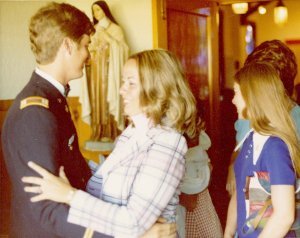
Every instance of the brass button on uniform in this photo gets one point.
(59, 100)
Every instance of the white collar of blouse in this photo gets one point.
(141, 122)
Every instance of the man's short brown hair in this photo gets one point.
(277, 54)
(51, 24)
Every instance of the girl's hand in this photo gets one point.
(189, 201)
(161, 230)
(49, 186)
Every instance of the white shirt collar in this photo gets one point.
(51, 80)
(239, 145)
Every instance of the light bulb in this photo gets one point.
(280, 14)
(240, 8)
(262, 10)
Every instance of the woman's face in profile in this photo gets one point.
(98, 12)
(238, 100)
(131, 87)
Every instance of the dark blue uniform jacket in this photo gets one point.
(48, 137)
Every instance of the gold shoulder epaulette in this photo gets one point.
(34, 101)
(88, 233)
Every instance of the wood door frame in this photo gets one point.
(160, 39)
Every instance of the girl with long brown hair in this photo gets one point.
(271, 149)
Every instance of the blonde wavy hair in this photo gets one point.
(51, 24)
(268, 106)
(165, 94)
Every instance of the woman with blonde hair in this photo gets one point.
(139, 181)
(269, 153)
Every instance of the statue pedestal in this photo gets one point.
(98, 146)
(97, 151)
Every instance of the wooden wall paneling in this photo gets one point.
(5, 186)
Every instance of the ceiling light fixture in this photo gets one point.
(280, 13)
(262, 10)
(240, 8)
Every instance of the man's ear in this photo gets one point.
(68, 44)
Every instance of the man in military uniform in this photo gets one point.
(38, 126)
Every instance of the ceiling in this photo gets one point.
(193, 4)
(224, 2)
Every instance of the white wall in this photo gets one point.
(16, 59)
(134, 16)
(266, 29)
